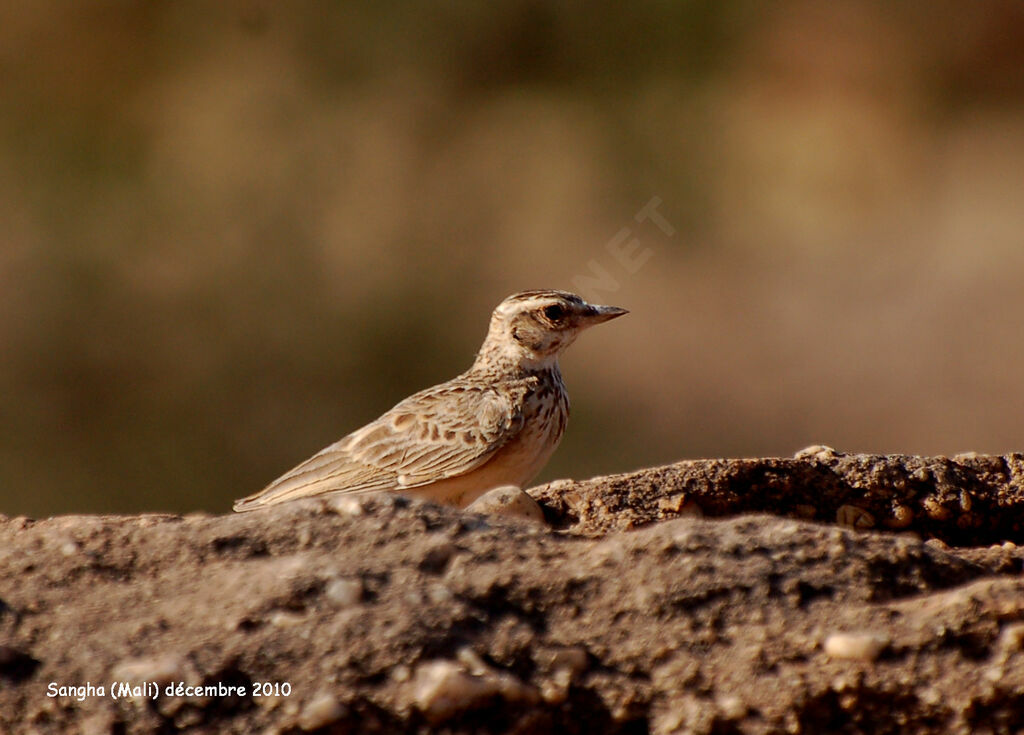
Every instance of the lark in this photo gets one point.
(496, 424)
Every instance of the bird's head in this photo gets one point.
(531, 328)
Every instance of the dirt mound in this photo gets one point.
(382, 614)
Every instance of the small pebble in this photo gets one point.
(859, 646)
(1012, 637)
(322, 710)
(936, 510)
(439, 594)
(902, 516)
(509, 501)
(344, 592)
(930, 696)
(572, 659)
(961, 456)
(556, 690)
(442, 689)
(731, 707)
(816, 451)
(472, 661)
(283, 619)
(346, 505)
(680, 505)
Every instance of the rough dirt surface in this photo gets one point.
(628, 613)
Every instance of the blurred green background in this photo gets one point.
(235, 231)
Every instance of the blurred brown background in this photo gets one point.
(234, 231)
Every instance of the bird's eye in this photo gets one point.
(554, 312)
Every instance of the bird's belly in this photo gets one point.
(516, 463)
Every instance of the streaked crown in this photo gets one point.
(531, 328)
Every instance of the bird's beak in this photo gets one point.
(599, 314)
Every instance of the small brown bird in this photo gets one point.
(496, 424)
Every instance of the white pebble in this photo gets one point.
(1012, 637)
(345, 505)
(283, 619)
(816, 451)
(509, 501)
(443, 689)
(322, 710)
(860, 646)
(344, 592)
(731, 707)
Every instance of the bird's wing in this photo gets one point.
(441, 432)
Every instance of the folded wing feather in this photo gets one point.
(419, 441)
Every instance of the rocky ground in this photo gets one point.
(822, 593)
